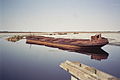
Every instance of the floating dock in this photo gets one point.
(80, 71)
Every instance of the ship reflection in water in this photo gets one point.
(95, 53)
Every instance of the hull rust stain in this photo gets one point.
(95, 42)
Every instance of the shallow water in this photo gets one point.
(21, 61)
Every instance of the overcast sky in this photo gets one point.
(60, 15)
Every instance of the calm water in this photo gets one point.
(21, 61)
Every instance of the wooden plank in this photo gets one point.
(85, 72)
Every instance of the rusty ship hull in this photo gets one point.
(95, 42)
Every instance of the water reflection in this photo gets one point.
(95, 53)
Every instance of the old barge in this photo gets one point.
(95, 42)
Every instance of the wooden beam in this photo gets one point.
(84, 72)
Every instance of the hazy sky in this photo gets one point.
(59, 15)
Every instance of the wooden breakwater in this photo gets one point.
(80, 71)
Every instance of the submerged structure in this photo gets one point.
(15, 38)
(95, 42)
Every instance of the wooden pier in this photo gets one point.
(80, 71)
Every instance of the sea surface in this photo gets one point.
(21, 61)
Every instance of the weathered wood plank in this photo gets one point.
(84, 72)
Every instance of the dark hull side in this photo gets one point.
(93, 46)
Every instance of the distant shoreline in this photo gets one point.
(114, 40)
(63, 32)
